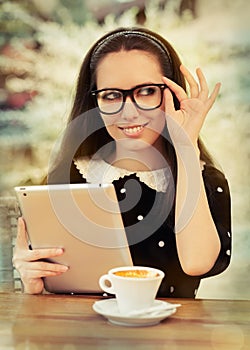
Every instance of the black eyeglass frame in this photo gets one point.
(130, 93)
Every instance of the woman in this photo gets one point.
(133, 124)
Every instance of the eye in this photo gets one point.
(110, 95)
(146, 91)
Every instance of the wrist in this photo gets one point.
(187, 149)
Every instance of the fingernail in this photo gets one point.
(64, 268)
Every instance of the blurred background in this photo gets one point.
(42, 44)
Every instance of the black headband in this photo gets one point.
(136, 33)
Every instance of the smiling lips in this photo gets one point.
(133, 131)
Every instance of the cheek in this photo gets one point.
(158, 121)
(151, 136)
(113, 131)
(108, 124)
(156, 127)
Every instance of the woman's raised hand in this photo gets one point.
(193, 109)
(30, 263)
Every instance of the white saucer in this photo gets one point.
(108, 308)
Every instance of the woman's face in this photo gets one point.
(125, 70)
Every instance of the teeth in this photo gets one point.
(133, 130)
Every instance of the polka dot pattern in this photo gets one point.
(161, 244)
(159, 249)
(219, 189)
(171, 289)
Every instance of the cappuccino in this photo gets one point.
(137, 273)
(135, 287)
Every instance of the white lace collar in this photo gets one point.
(99, 171)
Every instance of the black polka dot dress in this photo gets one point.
(148, 217)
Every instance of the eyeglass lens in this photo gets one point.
(145, 97)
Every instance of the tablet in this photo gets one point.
(84, 220)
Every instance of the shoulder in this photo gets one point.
(214, 180)
(213, 172)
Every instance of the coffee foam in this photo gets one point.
(136, 273)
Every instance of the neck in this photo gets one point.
(146, 159)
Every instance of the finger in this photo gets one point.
(34, 274)
(203, 84)
(170, 112)
(213, 96)
(179, 92)
(193, 85)
(41, 274)
(38, 254)
(22, 238)
(46, 267)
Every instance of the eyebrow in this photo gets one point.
(138, 85)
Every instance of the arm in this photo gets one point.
(197, 239)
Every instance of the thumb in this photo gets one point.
(168, 102)
(22, 237)
(173, 117)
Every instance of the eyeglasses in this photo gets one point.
(145, 97)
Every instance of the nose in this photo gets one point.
(129, 111)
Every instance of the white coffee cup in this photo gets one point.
(135, 287)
